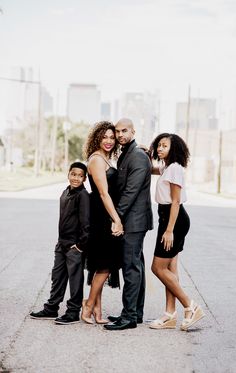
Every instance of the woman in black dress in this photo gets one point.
(103, 252)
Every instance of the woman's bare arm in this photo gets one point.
(168, 236)
(97, 169)
(155, 170)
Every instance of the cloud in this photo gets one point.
(61, 11)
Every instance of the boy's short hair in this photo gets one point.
(79, 165)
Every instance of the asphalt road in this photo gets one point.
(28, 233)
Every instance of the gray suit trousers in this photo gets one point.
(133, 269)
(68, 265)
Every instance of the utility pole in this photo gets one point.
(194, 140)
(220, 163)
(37, 158)
(188, 115)
(220, 145)
(54, 134)
(66, 129)
(159, 115)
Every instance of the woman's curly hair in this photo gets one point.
(179, 151)
(95, 137)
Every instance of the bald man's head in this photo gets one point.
(124, 131)
(126, 122)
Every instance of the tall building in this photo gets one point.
(20, 97)
(144, 110)
(196, 122)
(106, 111)
(200, 113)
(116, 110)
(24, 102)
(83, 103)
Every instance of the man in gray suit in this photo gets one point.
(134, 208)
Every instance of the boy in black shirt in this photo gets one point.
(69, 258)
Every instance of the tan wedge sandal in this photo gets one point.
(170, 323)
(196, 315)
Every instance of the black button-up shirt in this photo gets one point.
(74, 217)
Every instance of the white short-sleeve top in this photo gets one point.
(174, 174)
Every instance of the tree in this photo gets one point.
(77, 137)
(24, 138)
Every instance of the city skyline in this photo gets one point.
(125, 46)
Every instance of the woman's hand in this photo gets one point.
(117, 228)
(147, 150)
(168, 239)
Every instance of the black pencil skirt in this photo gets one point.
(181, 228)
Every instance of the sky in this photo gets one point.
(125, 45)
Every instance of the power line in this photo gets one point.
(20, 80)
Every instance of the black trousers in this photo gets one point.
(133, 269)
(68, 265)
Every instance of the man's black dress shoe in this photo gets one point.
(67, 319)
(121, 324)
(116, 318)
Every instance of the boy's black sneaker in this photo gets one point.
(43, 315)
(67, 319)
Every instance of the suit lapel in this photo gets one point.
(125, 159)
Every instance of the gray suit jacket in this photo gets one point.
(133, 183)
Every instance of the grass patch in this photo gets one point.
(24, 178)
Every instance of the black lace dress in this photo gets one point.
(104, 249)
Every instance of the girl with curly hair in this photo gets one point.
(174, 223)
(103, 259)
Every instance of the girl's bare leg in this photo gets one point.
(162, 268)
(170, 298)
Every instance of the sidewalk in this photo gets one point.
(53, 192)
